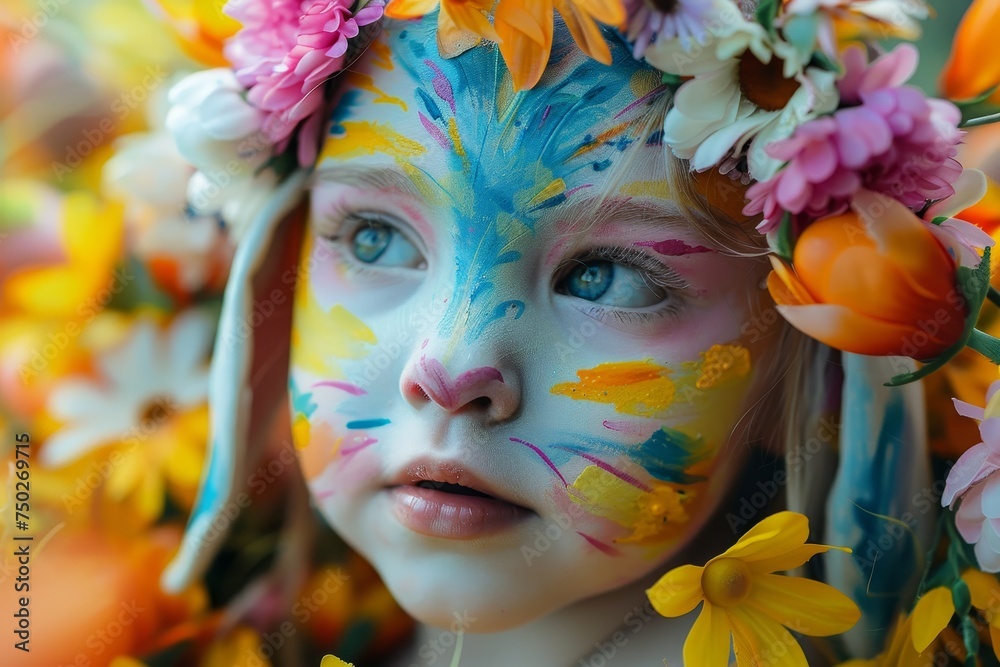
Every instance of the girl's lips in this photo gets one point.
(452, 516)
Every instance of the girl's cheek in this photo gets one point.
(659, 473)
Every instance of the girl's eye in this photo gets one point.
(375, 242)
(610, 283)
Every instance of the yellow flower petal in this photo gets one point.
(808, 607)
(761, 641)
(677, 592)
(932, 613)
(525, 30)
(707, 644)
(984, 588)
(995, 640)
(333, 661)
(772, 537)
(792, 559)
(584, 30)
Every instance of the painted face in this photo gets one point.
(516, 368)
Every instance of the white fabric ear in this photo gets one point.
(230, 396)
(884, 471)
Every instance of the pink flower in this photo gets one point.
(284, 53)
(649, 20)
(891, 139)
(972, 481)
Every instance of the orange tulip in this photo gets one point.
(973, 67)
(872, 281)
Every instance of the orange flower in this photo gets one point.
(522, 27)
(973, 67)
(461, 23)
(872, 281)
(525, 28)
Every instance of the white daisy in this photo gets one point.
(149, 175)
(746, 87)
(151, 375)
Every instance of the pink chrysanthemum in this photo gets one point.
(890, 139)
(284, 52)
(649, 20)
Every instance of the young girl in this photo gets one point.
(531, 359)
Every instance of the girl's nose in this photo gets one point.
(485, 389)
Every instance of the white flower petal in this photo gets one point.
(70, 444)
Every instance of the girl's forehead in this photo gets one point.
(404, 106)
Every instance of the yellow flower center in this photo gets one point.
(154, 411)
(764, 84)
(726, 582)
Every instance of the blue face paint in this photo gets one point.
(501, 169)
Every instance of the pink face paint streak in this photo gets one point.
(345, 386)
(353, 449)
(607, 467)
(652, 93)
(435, 132)
(442, 86)
(674, 247)
(606, 549)
(433, 379)
(640, 431)
(544, 457)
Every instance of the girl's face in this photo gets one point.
(516, 368)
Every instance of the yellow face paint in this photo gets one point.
(653, 515)
(639, 388)
(319, 336)
(723, 363)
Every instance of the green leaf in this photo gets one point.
(800, 31)
(672, 80)
(766, 12)
(961, 597)
(938, 220)
(784, 241)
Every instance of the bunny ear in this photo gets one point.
(883, 503)
(248, 378)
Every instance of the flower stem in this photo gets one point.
(982, 120)
(986, 345)
(994, 296)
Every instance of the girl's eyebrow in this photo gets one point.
(369, 178)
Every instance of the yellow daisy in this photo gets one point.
(744, 601)
(333, 661)
(935, 608)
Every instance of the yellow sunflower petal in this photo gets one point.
(525, 30)
(808, 607)
(772, 537)
(761, 641)
(707, 644)
(677, 592)
(585, 31)
(792, 559)
(933, 611)
(471, 19)
(611, 13)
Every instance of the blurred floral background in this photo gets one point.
(109, 293)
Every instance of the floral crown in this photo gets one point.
(851, 173)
